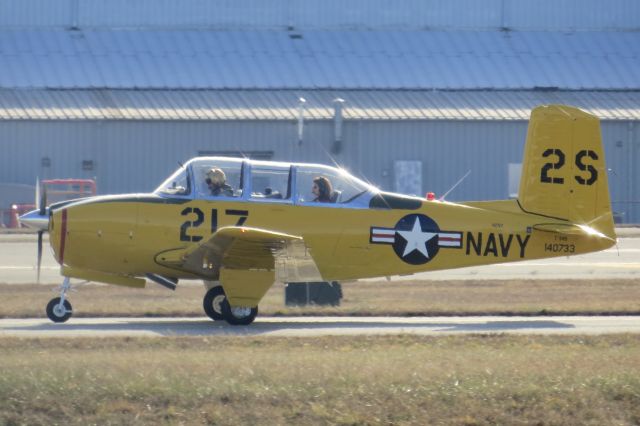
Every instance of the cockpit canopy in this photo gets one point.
(266, 181)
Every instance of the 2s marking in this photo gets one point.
(196, 218)
(557, 158)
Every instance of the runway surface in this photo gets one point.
(319, 326)
(18, 257)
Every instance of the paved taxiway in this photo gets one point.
(18, 257)
(319, 326)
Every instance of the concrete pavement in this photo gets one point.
(320, 326)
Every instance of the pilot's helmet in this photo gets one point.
(216, 177)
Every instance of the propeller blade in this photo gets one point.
(43, 201)
(39, 253)
(37, 202)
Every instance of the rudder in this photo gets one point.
(563, 171)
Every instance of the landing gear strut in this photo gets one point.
(59, 309)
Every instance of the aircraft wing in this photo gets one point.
(244, 248)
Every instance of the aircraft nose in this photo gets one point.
(35, 220)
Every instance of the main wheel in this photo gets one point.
(212, 303)
(58, 313)
(238, 315)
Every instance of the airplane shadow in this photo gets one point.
(287, 328)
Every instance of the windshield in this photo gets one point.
(176, 184)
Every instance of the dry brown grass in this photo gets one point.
(330, 380)
(360, 298)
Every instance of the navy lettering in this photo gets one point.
(523, 244)
(477, 246)
(504, 247)
(491, 246)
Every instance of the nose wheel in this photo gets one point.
(59, 309)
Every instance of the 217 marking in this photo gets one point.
(199, 220)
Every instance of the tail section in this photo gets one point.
(563, 171)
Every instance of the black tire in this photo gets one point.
(53, 312)
(212, 303)
(229, 317)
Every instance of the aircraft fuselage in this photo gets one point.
(140, 234)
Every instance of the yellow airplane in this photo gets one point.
(241, 225)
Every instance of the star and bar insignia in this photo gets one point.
(416, 238)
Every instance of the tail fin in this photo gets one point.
(563, 171)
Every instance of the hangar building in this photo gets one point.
(410, 95)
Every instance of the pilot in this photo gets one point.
(217, 182)
(322, 190)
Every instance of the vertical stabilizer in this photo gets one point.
(563, 171)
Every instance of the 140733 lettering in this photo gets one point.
(560, 248)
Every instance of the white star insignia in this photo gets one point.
(416, 239)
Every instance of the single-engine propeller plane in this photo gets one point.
(241, 225)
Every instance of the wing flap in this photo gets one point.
(246, 248)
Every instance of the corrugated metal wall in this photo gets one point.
(324, 14)
(622, 146)
(128, 156)
(447, 151)
(136, 156)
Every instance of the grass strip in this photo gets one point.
(500, 297)
(329, 380)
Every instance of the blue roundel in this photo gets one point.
(416, 239)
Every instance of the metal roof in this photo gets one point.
(551, 15)
(282, 104)
(389, 60)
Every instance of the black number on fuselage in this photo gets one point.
(544, 173)
(184, 236)
(242, 213)
(214, 220)
(189, 224)
(586, 167)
